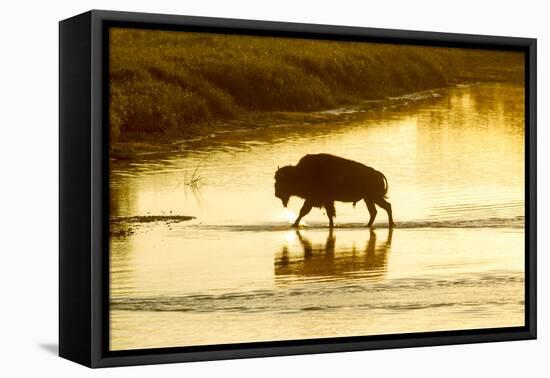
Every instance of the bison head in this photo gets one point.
(284, 183)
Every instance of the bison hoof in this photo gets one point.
(392, 225)
(295, 225)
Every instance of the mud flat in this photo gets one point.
(126, 226)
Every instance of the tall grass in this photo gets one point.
(180, 84)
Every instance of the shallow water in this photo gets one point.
(238, 273)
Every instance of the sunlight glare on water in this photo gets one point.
(289, 215)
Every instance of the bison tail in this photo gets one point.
(386, 185)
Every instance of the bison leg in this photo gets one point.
(372, 211)
(331, 212)
(306, 208)
(387, 206)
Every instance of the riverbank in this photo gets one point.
(168, 86)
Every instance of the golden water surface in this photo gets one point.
(454, 160)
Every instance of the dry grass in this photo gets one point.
(194, 180)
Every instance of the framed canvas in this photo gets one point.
(234, 188)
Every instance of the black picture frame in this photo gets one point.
(83, 193)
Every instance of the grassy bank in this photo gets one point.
(167, 85)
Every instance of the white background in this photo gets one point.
(29, 189)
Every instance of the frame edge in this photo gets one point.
(98, 17)
(75, 273)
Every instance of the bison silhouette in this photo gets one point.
(322, 179)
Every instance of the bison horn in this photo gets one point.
(277, 167)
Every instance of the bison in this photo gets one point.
(322, 179)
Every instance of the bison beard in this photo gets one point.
(323, 179)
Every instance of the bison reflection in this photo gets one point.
(323, 179)
(327, 259)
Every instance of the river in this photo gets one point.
(454, 160)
